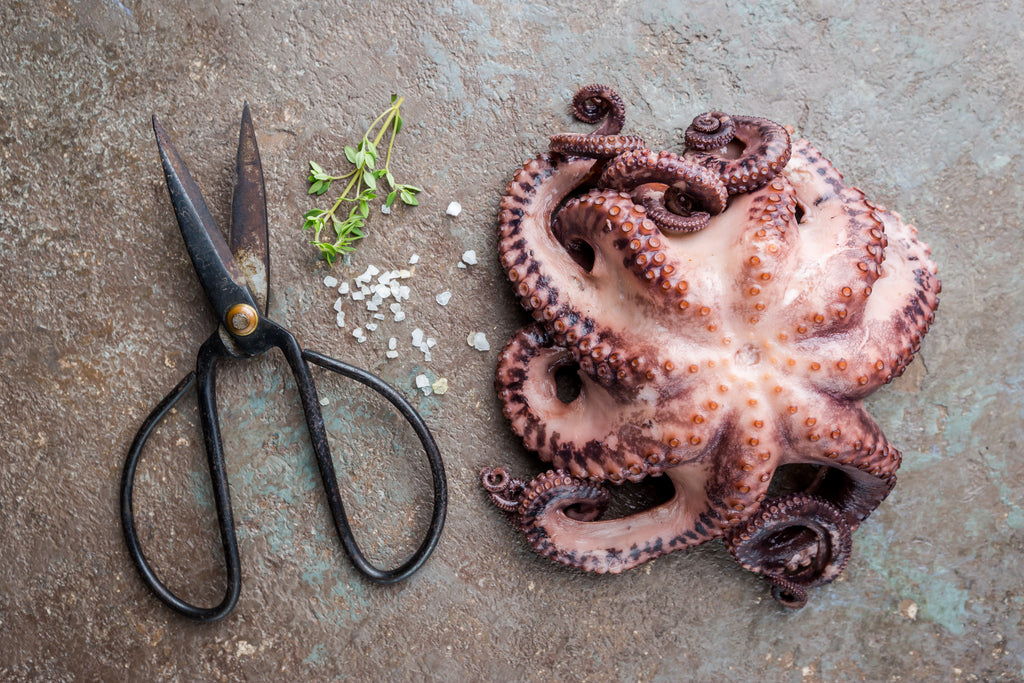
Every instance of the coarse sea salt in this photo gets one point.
(330, 281)
(478, 340)
(469, 258)
(454, 209)
(443, 298)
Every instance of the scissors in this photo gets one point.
(236, 283)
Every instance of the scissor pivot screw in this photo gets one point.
(242, 319)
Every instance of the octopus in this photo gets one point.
(715, 317)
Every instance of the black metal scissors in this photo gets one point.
(236, 283)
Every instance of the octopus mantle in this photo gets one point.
(713, 353)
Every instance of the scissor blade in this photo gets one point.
(215, 266)
(249, 240)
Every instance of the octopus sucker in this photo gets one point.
(716, 317)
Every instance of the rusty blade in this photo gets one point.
(224, 283)
(249, 240)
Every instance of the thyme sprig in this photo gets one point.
(361, 189)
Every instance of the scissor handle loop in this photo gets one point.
(206, 371)
(298, 359)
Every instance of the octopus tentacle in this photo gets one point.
(844, 438)
(796, 541)
(595, 146)
(766, 150)
(596, 434)
(558, 514)
(655, 197)
(710, 131)
(595, 102)
(503, 489)
(691, 181)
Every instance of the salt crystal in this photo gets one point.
(358, 296)
(386, 278)
(461, 264)
(378, 298)
(426, 356)
(392, 343)
(366, 291)
(443, 298)
(414, 259)
(479, 342)
(341, 318)
(470, 258)
(361, 339)
(431, 342)
(403, 292)
(337, 303)
(454, 209)
(326, 401)
(395, 308)
(343, 289)
(378, 316)
(440, 386)
(372, 327)
(370, 306)
(358, 332)
(417, 337)
(405, 274)
(422, 381)
(400, 316)
(330, 281)
(391, 353)
(385, 209)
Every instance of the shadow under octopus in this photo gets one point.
(723, 312)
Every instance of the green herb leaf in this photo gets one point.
(361, 185)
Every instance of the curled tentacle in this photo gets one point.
(765, 152)
(595, 102)
(504, 490)
(559, 515)
(796, 541)
(595, 146)
(656, 198)
(710, 131)
(691, 183)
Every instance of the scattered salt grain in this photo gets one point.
(469, 258)
(343, 288)
(391, 353)
(358, 296)
(454, 209)
(378, 316)
(392, 343)
(358, 333)
(440, 386)
(330, 281)
(423, 384)
(414, 259)
(341, 318)
(327, 401)
(385, 209)
(417, 337)
(443, 298)
(337, 303)
(372, 327)
(462, 265)
(400, 316)
(478, 340)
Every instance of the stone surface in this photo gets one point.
(918, 103)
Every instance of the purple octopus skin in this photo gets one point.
(717, 358)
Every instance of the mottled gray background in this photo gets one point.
(918, 103)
